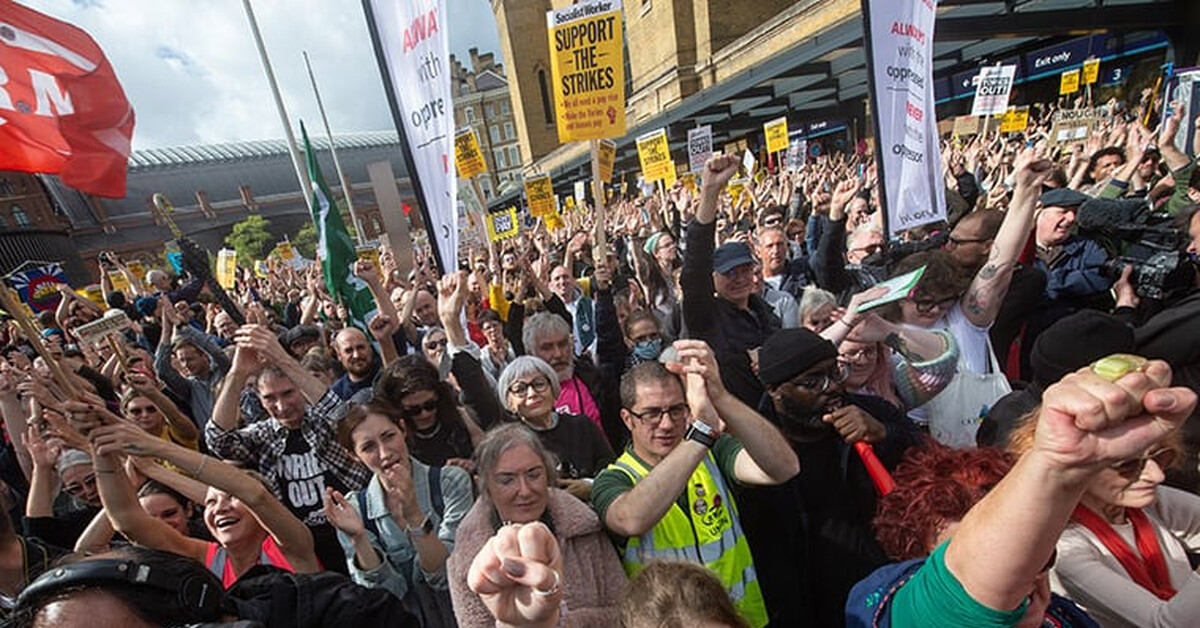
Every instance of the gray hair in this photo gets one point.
(521, 367)
(862, 231)
(504, 437)
(542, 324)
(813, 298)
(71, 458)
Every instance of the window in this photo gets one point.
(3, 222)
(508, 131)
(494, 132)
(504, 106)
(486, 185)
(544, 87)
(20, 217)
(501, 158)
(470, 114)
(514, 156)
(491, 111)
(6, 188)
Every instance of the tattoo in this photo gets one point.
(988, 271)
(975, 302)
(898, 345)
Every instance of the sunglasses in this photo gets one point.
(1133, 467)
(822, 381)
(436, 344)
(413, 411)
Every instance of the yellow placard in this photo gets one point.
(94, 294)
(736, 187)
(120, 282)
(689, 181)
(654, 153)
(261, 269)
(371, 254)
(539, 194)
(226, 268)
(569, 203)
(137, 269)
(1069, 83)
(607, 158)
(1091, 71)
(1014, 120)
(587, 59)
(502, 225)
(468, 158)
(285, 251)
(554, 222)
(777, 134)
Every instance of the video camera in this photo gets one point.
(1143, 239)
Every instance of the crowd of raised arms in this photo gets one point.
(705, 418)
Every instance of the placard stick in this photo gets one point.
(599, 244)
(35, 339)
(119, 351)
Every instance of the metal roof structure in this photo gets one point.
(151, 158)
(824, 76)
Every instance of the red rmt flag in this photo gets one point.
(62, 110)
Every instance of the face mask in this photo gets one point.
(648, 349)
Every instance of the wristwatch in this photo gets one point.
(425, 529)
(702, 433)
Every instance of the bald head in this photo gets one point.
(354, 352)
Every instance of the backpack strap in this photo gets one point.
(435, 491)
(368, 522)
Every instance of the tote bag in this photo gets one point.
(955, 413)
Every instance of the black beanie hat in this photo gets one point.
(790, 352)
(1073, 342)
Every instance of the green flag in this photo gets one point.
(335, 246)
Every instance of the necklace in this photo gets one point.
(428, 434)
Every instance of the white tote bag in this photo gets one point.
(955, 413)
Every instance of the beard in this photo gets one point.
(804, 419)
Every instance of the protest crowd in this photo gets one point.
(713, 408)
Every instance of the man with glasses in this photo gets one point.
(668, 497)
(812, 537)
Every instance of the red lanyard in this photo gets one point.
(1147, 568)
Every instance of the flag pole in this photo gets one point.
(301, 173)
(337, 163)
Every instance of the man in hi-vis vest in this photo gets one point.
(669, 496)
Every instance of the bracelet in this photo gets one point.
(200, 468)
(843, 321)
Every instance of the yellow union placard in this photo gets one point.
(468, 158)
(1015, 120)
(502, 225)
(120, 282)
(654, 153)
(1091, 71)
(539, 193)
(587, 60)
(777, 135)
(1069, 83)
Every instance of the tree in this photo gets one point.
(306, 241)
(250, 238)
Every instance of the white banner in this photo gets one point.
(699, 148)
(902, 65)
(416, 47)
(992, 91)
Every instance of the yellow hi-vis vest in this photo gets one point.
(708, 534)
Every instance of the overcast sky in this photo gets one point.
(191, 70)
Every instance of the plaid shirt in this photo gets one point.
(260, 445)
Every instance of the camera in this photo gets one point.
(1160, 275)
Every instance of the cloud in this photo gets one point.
(192, 72)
